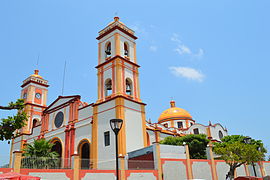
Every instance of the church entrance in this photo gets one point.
(85, 155)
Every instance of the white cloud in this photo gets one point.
(183, 49)
(187, 72)
(175, 38)
(200, 53)
(153, 48)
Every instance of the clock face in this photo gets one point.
(38, 95)
(24, 95)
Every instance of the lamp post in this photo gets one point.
(116, 125)
(247, 140)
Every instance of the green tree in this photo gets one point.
(236, 152)
(39, 155)
(9, 125)
(197, 144)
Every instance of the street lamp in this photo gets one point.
(247, 140)
(116, 125)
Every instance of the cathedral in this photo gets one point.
(76, 127)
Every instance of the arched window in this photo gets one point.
(35, 123)
(220, 135)
(196, 131)
(128, 87)
(108, 87)
(166, 125)
(108, 49)
(126, 49)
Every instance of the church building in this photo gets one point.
(76, 127)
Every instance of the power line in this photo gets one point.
(64, 74)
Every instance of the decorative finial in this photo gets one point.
(172, 103)
(36, 71)
(210, 124)
(149, 121)
(116, 18)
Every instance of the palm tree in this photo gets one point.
(39, 155)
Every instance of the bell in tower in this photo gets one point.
(128, 87)
(108, 50)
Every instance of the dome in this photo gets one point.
(174, 113)
(36, 74)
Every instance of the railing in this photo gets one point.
(85, 164)
(110, 164)
(45, 163)
(63, 163)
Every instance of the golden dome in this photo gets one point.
(174, 113)
(36, 74)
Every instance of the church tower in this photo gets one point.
(117, 63)
(34, 92)
(118, 94)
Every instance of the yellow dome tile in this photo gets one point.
(174, 113)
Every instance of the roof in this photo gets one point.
(116, 24)
(60, 101)
(174, 113)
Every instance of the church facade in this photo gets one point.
(77, 127)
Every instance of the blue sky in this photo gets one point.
(211, 57)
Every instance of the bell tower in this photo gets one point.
(34, 92)
(117, 63)
(118, 95)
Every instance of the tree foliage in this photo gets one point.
(197, 144)
(9, 125)
(235, 152)
(39, 155)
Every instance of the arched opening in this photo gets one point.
(108, 49)
(108, 87)
(84, 152)
(196, 131)
(126, 49)
(220, 135)
(165, 125)
(57, 147)
(35, 123)
(85, 156)
(128, 87)
(179, 124)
